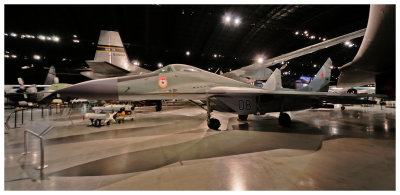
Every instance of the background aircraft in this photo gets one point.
(375, 60)
(110, 59)
(178, 81)
(23, 94)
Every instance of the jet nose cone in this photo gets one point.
(102, 89)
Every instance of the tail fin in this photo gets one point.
(110, 49)
(321, 80)
(274, 82)
(51, 77)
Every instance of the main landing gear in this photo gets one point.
(212, 123)
(243, 117)
(284, 119)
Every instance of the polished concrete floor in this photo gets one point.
(324, 149)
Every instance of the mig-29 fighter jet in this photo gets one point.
(179, 81)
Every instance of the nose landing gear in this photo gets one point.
(284, 119)
(212, 123)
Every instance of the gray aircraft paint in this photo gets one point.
(179, 81)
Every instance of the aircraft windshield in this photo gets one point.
(185, 68)
(164, 70)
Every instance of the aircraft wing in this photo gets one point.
(304, 51)
(292, 96)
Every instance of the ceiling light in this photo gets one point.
(215, 55)
(56, 39)
(13, 34)
(41, 37)
(36, 57)
(237, 21)
(13, 56)
(188, 53)
(227, 19)
(160, 65)
(6, 56)
(296, 33)
(136, 62)
(260, 60)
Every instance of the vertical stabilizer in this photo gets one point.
(274, 82)
(320, 83)
(51, 77)
(110, 49)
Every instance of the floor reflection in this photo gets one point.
(216, 145)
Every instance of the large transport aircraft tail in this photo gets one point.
(320, 83)
(111, 57)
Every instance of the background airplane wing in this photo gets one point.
(304, 51)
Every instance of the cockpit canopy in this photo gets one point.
(178, 68)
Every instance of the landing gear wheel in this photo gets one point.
(158, 106)
(243, 117)
(342, 107)
(213, 123)
(284, 119)
(97, 123)
(108, 122)
(353, 91)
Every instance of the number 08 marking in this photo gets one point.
(244, 105)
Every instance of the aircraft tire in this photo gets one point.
(214, 123)
(342, 107)
(354, 91)
(243, 117)
(158, 106)
(284, 120)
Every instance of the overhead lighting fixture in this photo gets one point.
(14, 56)
(136, 62)
(160, 65)
(305, 32)
(227, 19)
(315, 66)
(260, 60)
(41, 37)
(215, 55)
(14, 34)
(48, 38)
(7, 56)
(56, 39)
(74, 36)
(6, 34)
(75, 41)
(36, 57)
(188, 53)
(324, 39)
(237, 21)
(296, 33)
